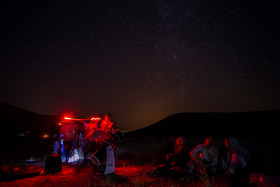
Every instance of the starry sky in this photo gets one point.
(141, 60)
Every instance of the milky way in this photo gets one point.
(140, 60)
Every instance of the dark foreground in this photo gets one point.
(131, 175)
(136, 159)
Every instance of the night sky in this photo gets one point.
(141, 60)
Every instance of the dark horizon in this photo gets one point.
(140, 60)
(188, 117)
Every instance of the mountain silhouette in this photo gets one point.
(15, 121)
(257, 123)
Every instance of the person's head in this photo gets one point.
(208, 141)
(231, 142)
(179, 140)
(108, 116)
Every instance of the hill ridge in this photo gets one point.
(211, 123)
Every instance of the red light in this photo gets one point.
(95, 119)
(67, 118)
(201, 155)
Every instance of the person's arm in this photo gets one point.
(243, 152)
(194, 153)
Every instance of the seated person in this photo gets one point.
(236, 157)
(204, 158)
(179, 156)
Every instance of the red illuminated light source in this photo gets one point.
(74, 119)
(95, 118)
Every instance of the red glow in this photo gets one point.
(95, 119)
(67, 118)
(201, 155)
(261, 179)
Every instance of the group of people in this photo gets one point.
(207, 159)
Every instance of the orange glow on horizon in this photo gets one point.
(45, 135)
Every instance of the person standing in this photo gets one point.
(107, 126)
